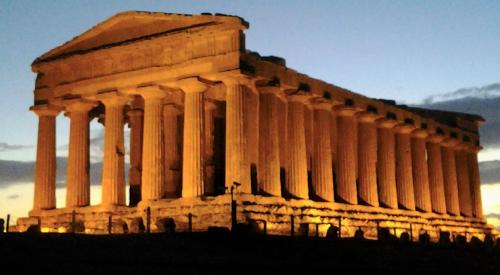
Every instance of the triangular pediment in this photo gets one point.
(131, 25)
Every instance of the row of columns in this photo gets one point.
(372, 160)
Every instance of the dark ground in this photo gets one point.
(224, 253)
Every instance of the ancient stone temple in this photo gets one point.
(220, 134)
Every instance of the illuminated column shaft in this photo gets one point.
(450, 177)
(237, 165)
(192, 157)
(346, 155)
(269, 154)
(135, 118)
(475, 182)
(420, 171)
(404, 177)
(45, 166)
(296, 179)
(367, 159)
(113, 171)
(78, 185)
(209, 140)
(322, 174)
(172, 160)
(153, 172)
(464, 194)
(386, 164)
(436, 180)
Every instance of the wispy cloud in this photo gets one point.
(484, 92)
(5, 147)
(490, 172)
(13, 196)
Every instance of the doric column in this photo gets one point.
(153, 172)
(135, 120)
(404, 177)
(435, 167)
(296, 178)
(420, 170)
(78, 185)
(113, 171)
(193, 150)
(463, 180)
(209, 140)
(269, 154)
(237, 165)
(45, 166)
(346, 155)
(322, 174)
(172, 156)
(475, 182)
(450, 176)
(367, 158)
(386, 163)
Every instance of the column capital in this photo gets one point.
(435, 138)
(79, 105)
(473, 148)
(237, 80)
(302, 98)
(345, 110)
(404, 128)
(366, 116)
(112, 98)
(46, 110)
(150, 92)
(451, 142)
(420, 133)
(386, 123)
(190, 85)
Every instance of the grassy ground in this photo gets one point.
(225, 253)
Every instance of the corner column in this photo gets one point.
(45, 166)
(78, 185)
(346, 154)
(322, 173)
(269, 154)
(153, 172)
(450, 176)
(420, 170)
(113, 171)
(296, 179)
(404, 177)
(386, 163)
(367, 158)
(435, 167)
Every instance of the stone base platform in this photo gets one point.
(267, 215)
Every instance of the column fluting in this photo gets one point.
(463, 181)
(386, 163)
(135, 122)
(367, 158)
(436, 179)
(113, 169)
(322, 174)
(450, 176)
(78, 185)
(420, 171)
(171, 155)
(404, 173)
(475, 182)
(153, 172)
(269, 154)
(346, 155)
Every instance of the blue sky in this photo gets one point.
(402, 50)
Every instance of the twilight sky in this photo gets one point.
(441, 53)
